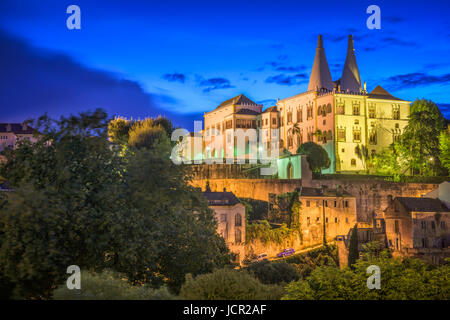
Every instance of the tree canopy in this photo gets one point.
(317, 156)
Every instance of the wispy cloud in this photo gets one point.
(288, 80)
(174, 77)
(214, 84)
(267, 102)
(411, 80)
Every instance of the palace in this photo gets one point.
(340, 115)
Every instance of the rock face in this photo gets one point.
(371, 195)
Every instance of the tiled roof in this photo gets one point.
(238, 100)
(422, 204)
(319, 192)
(271, 109)
(16, 128)
(247, 111)
(220, 198)
(380, 93)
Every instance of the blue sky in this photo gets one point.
(181, 58)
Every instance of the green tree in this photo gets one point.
(109, 285)
(419, 143)
(444, 146)
(228, 284)
(317, 156)
(353, 251)
(274, 272)
(77, 201)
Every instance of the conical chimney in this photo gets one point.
(320, 74)
(350, 79)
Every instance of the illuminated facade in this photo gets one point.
(340, 115)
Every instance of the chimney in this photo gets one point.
(8, 127)
(320, 74)
(350, 80)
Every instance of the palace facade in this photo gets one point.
(340, 115)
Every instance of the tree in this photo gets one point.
(317, 156)
(362, 153)
(274, 272)
(408, 279)
(108, 285)
(228, 284)
(77, 201)
(353, 251)
(419, 143)
(444, 146)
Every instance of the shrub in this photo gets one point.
(274, 272)
(228, 284)
(109, 286)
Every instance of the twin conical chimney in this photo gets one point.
(320, 74)
(350, 79)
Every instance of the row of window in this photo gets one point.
(335, 203)
(336, 220)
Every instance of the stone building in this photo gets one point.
(339, 115)
(230, 216)
(332, 211)
(12, 133)
(418, 227)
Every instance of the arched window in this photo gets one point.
(329, 107)
(237, 236)
(353, 162)
(238, 220)
(319, 110)
(290, 171)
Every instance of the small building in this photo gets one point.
(418, 227)
(230, 216)
(12, 133)
(333, 207)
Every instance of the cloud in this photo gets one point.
(214, 84)
(267, 102)
(286, 80)
(411, 80)
(392, 19)
(290, 68)
(35, 81)
(174, 77)
(398, 42)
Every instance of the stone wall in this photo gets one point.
(371, 195)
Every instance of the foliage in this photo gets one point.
(444, 147)
(362, 153)
(273, 272)
(256, 209)
(409, 279)
(109, 285)
(317, 156)
(118, 130)
(263, 232)
(306, 262)
(353, 252)
(77, 201)
(419, 143)
(228, 284)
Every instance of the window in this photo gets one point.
(238, 220)
(289, 117)
(299, 115)
(319, 110)
(424, 243)
(341, 135)
(325, 203)
(356, 135)
(267, 121)
(396, 137)
(396, 112)
(353, 162)
(372, 137)
(329, 108)
(223, 218)
(290, 141)
(274, 121)
(356, 121)
(396, 227)
(346, 220)
(356, 109)
(326, 220)
(229, 124)
(237, 236)
(308, 221)
(372, 111)
(341, 109)
(397, 126)
(324, 122)
(342, 150)
(336, 220)
(433, 225)
(308, 204)
(335, 204)
(442, 224)
(346, 203)
(424, 225)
